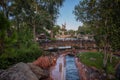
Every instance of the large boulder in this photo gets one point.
(45, 62)
(22, 71)
(40, 73)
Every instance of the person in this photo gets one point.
(60, 67)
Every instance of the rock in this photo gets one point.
(40, 73)
(20, 71)
(45, 62)
(1, 71)
(23, 71)
(94, 69)
(111, 77)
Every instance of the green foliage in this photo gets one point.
(39, 14)
(20, 22)
(96, 59)
(85, 29)
(16, 46)
(56, 29)
(103, 17)
(104, 20)
(21, 55)
(25, 50)
(53, 39)
(71, 32)
(7, 35)
(4, 23)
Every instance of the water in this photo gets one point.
(71, 69)
(57, 71)
(67, 71)
(65, 47)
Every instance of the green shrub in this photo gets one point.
(53, 39)
(21, 55)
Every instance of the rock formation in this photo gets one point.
(23, 71)
(45, 62)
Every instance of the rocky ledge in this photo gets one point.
(24, 71)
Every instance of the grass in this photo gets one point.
(96, 59)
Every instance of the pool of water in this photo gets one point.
(71, 69)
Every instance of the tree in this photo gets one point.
(20, 22)
(5, 7)
(71, 32)
(38, 14)
(84, 29)
(32, 15)
(56, 29)
(7, 38)
(103, 16)
(53, 9)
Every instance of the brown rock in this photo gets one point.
(45, 62)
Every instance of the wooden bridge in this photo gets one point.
(77, 44)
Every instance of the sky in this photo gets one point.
(66, 15)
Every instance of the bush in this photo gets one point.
(53, 39)
(21, 55)
(16, 45)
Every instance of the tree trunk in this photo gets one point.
(111, 55)
(105, 60)
(34, 27)
(106, 47)
(51, 33)
(34, 35)
(105, 57)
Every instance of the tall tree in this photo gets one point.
(7, 39)
(103, 16)
(38, 13)
(34, 15)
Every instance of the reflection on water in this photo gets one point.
(71, 69)
(67, 71)
(58, 71)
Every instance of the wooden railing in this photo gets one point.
(81, 44)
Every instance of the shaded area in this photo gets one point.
(71, 69)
